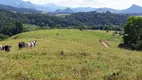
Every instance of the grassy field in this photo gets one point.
(62, 15)
(28, 27)
(62, 54)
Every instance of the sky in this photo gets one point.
(115, 4)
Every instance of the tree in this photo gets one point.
(3, 37)
(18, 28)
(133, 33)
(58, 26)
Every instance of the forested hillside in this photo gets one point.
(10, 23)
(78, 19)
(95, 18)
(9, 20)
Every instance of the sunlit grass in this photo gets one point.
(62, 15)
(68, 55)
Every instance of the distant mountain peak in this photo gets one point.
(67, 10)
(134, 6)
(28, 2)
(133, 9)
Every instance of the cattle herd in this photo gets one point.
(32, 44)
(20, 45)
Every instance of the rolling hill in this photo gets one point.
(69, 55)
(107, 9)
(67, 10)
(21, 10)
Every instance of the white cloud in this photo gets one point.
(116, 4)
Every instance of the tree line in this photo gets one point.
(12, 23)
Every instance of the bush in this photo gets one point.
(107, 31)
(133, 33)
(3, 37)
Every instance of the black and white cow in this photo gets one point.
(28, 44)
(5, 47)
(31, 44)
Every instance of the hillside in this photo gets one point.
(76, 20)
(20, 10)
(67, 10)
(94, 18)
(69, 55)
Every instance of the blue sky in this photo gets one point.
(116, 4)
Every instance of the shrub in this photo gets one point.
(133, 33)
(3, 37)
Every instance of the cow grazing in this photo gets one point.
(28, 44)
(31, 44)
(21, 45)
(5, 47)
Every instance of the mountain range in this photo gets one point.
(133, 9)
(15, 9)
(67, 10)
(55, 8)
(29, 5)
